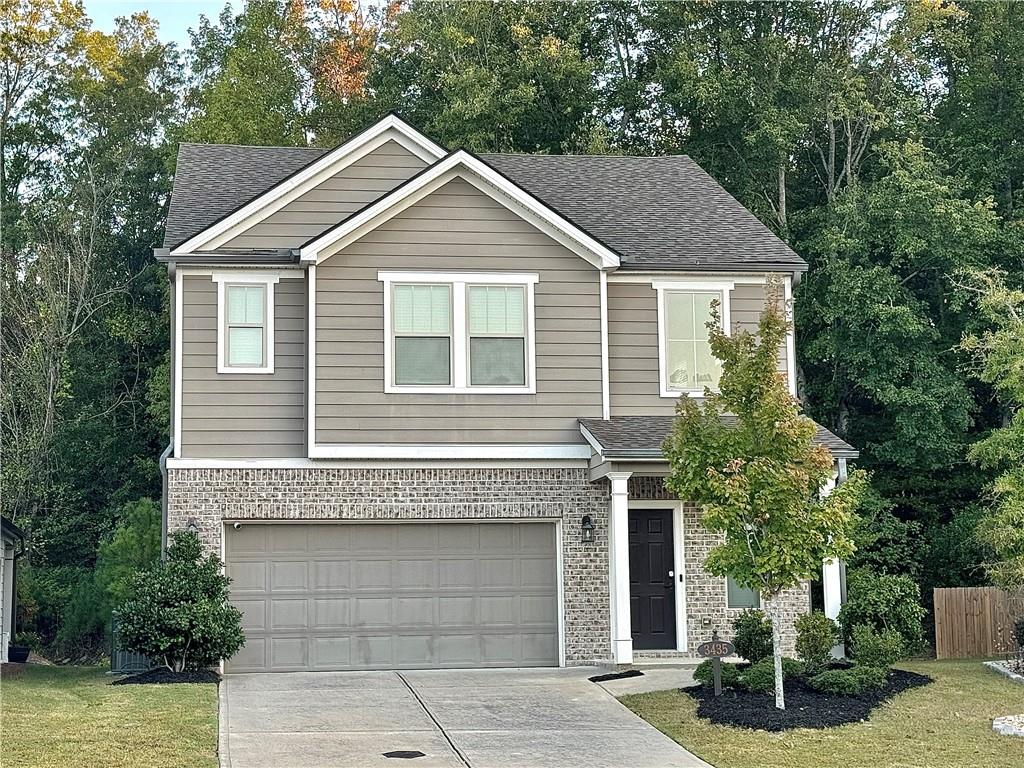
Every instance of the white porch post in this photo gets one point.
(618, 562)
(831, 578)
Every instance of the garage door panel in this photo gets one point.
(394, 595)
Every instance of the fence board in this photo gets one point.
(975, 622)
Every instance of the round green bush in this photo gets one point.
(760, 677)
(884, 602)
(816, 634)
(752, 635)
(849, 682)
(876, 649)
(705, 674)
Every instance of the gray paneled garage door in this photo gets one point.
(393, 595)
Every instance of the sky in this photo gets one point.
(175, 16)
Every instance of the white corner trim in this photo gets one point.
(179, 305)
(438, 451)
(266, 279)
(460, 335)
(464, 165)
(606, 408)
(390, 128)
(790, 311)
(311, 359)
(724, 288)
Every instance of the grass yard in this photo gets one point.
(71, 716)
(943, 725)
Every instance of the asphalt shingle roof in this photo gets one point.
(641, 436)
(656, 212)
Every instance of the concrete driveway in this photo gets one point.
(551, 718)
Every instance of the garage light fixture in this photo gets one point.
(588, 529)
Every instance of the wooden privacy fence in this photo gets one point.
(975, 622)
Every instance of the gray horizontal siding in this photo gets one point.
(231, 415)
(455, 228)
(332, 200)
(634, 385)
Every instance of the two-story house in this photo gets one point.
(419, 397)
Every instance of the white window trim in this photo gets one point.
(460, 332)
(223, 279)
(706, 286)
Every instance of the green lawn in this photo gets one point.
(943, 725)
(71, 716)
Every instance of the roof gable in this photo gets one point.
(305, 178)
(464, 165)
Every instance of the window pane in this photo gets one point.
(707, 366)
(422, 360)
(254, 303)
(679, 307)
(702, 313)
(245, 303)
(495, 362)
(245, 347)
(421, 309)
(497, 309)
(740, 597)
(679, 365)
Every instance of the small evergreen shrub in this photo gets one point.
(884, 602)
(849, 682)
(178, 612)
(876, 649)
(816, 634)
(760, 677)
(752, 635)
(705, 674)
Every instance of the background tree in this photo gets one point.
(758, 479)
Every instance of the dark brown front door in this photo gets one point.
(652, 579)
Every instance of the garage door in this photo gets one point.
(393, 596)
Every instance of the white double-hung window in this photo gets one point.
(245, 323)
(458, 332)
(684, 349)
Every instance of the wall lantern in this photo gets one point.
(588, 529)
(192, 525)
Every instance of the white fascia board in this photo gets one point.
(463, 165)
(593, 441)
(303, 463)
(744, 278)
(275, 198)
(435, 451)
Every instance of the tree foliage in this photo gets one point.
(758, 475)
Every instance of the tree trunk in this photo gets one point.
(781, 207)
(772, 608)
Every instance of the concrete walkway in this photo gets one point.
(551, 718)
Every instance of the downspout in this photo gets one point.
(170, 443)
(163, 496)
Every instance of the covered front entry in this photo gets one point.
(652, 582)
(336, 596)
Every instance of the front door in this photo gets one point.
(652, 579)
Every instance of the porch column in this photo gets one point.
(618, 562)
(831, 573)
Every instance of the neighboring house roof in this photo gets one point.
(655, 212)
(9, 531)
(641, 437)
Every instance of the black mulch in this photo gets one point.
(805, 707)
(164, 676)
(615, 676)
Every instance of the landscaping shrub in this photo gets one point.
(705, 674)
(1018, 633)
(816, 634)
(178, 610)
(884, 602)
(876, 649)
(849, 682)
(752, 635)
(760, 677)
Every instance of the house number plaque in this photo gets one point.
(715, 649)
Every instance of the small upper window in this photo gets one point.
(740, 597)
(423, 334)
(246, 332)
(497, 335)
(689, 364)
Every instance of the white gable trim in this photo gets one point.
(462, 165)
(391, 128)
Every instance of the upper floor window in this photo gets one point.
(458, 332)
(245, 323)
(685, 360)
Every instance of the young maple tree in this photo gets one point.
(747, 456)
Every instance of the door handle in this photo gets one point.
(670, 580)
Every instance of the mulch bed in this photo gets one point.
(615, 676)
(164, 676)
(805, 707)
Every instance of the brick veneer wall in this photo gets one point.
(210, 496)
(706, 594)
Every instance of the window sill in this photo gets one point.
(675, 394)
(397, 390)
(226, 369)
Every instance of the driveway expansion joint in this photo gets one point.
(434, 720)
